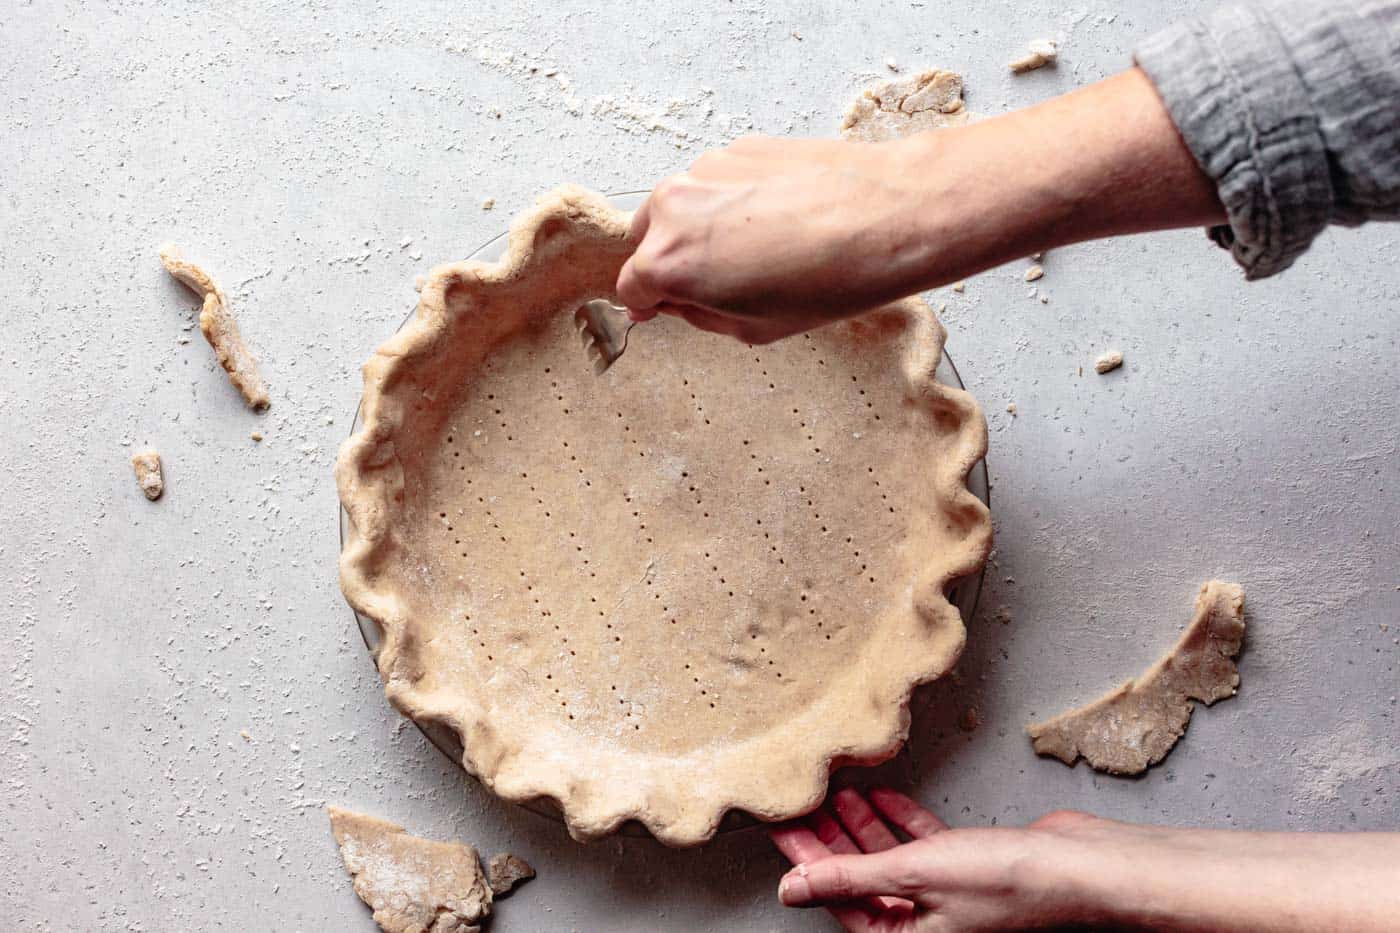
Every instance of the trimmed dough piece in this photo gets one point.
(505, 871)
(895, 109)
(1041, 52)
(413, 885)
(148, 474)
(219, 328)
(1108, 362)
(1128, 729)
(695, 583)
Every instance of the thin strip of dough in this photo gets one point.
(219, 328)
(1128, 729)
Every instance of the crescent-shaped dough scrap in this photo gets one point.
(695, 583)
(1134, 726)
(219, 328)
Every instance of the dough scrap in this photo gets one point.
(1134, 726)
(146, 463)
(413, 885)
(505, 871)
(1108, 362)
(904, 106)
(695, 583)
(1040, 52)
(219, 328)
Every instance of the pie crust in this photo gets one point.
(1133, 727)
(696, 583)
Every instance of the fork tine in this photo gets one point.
(603, 335)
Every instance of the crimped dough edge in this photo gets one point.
(679, 799)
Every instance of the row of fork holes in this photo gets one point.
(636, 512)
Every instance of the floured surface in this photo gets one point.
(680, 587)
(1134, 726)
(207, 614)
(413, 885)
(895, 109)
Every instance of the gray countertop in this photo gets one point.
(318, 159)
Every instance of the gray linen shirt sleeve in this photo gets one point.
(1293, 108)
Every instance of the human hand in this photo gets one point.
(1071, 868)
(853, 863)
(770, 237)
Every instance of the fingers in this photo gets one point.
(903, 812)
(803, 845)
(841, 878)
(798, 843)
(633, 288)
(830, 833)
(862, 822)
(641, 220)
(854, 916)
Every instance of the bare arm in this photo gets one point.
(771, 237)
(1074, 869)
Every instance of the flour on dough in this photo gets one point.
(413, 885)
(148, 473)
(505, 871)
(219, 328)
(895, 109)
(1039, 53)
(1134, 726)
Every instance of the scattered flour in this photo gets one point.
(1342, 756)
(688, 121)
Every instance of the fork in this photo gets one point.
(603, 327)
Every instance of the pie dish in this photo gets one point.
(696, 583)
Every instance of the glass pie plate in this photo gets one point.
(963, 593)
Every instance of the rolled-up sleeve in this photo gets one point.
(1293, 108)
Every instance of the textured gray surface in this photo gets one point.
(1251, 436)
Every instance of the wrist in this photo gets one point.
(1090, 871)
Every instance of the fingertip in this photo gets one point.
(794, 890)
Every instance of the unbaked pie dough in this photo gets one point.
(413, 885)
(1127, 729)
(219, 328)
(698, 582)
(895, 109)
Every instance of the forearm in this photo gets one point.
(1226, 880)
(1101, 161)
